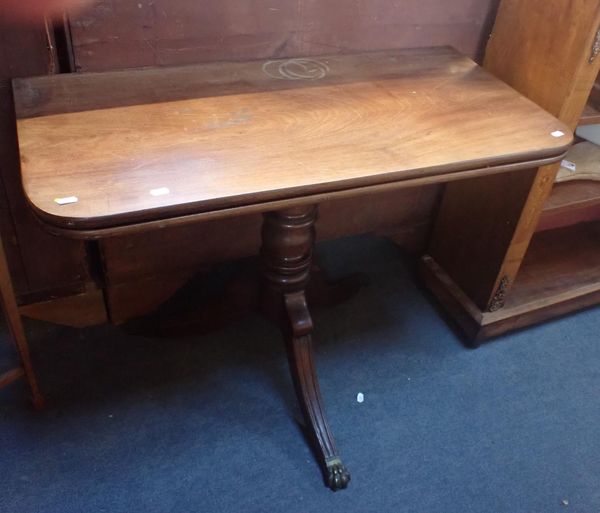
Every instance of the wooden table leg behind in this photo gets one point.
(15, 326)
(287, 242)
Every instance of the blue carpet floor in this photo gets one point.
(210, 423)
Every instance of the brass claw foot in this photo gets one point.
(288, 238)
(337, 475)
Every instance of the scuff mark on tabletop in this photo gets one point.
(237, 118)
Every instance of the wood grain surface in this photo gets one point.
(113, 35)
(40, 264)
(571, 203)
(560, 274)
(559, 74)
(225, 135)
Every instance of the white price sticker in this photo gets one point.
(66, 200)
(567, 164)
(161, 191)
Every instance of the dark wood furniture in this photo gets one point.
(111, 154)
(495, 281)
(72, 283)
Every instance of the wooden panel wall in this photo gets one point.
(125, 34)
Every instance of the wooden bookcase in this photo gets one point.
(508, 252)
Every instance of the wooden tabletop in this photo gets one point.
(107, 149)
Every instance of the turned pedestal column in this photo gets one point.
(287, 243)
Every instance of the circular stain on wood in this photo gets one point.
(296, 69)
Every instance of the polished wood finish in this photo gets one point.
(28, 255)
(125, 258)
(485, 226)
(288, 238)
(475, 226)
(108, 36)
(525, 30)
(41, 266)
(571, 203)
(566, 257)
(270, 137)
(369, 190)
(556, 76)
(141, 270)
(249, 136)
(560, 274)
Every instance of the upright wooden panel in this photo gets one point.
(40, 263)
(543, 49)
(475, 224)
(142, 270)
(126, 258)
(114, 35)
(13, 63)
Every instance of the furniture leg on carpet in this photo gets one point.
(288, 238)
(17, 333)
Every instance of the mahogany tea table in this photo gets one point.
(108, 154)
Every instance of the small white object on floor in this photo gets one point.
(565, 502)
(360, 397)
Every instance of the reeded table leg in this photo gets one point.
(288, 238)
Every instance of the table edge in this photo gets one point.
(82, 230)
